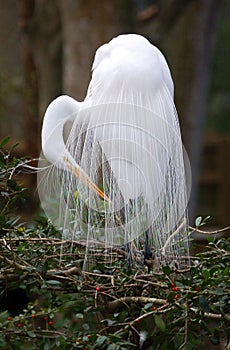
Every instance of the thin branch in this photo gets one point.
(116, 304)
(111, 277)
(211, 315)
(171, 236)
(16, 264)
(208, 232)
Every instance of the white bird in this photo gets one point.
(117, 172)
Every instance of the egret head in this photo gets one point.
(129, 69)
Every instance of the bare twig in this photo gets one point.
(172, 236)
(209, 232)
(116, 304)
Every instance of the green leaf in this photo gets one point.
(198, 221)
(113, 347)
(61, 343)
(12, 184)
(79, 315)
(14, 146)
(110, 322)
(166, 270)
(165, 345)
(86, 327)
(31, 334)
(148, 306)
(46, 346)
(53, 282)
(101, 340)
(189, 346)
(206, 218)
(4, 141)
(206, 273)
(44, 268)
(204, 304)
(218, 291)
(210, 239)
(88, 309)
(214, 339)
(160, 323)
(171, 296)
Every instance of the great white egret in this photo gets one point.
(117, 172)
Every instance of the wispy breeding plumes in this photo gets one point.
(117, 174)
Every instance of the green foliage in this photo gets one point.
(10, 192)
(108, 307)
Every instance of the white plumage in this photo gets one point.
(117, 173)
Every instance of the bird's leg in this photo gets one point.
(127, 238)
(129, 256)
(147, 250)
(146, 253)
(127, 245)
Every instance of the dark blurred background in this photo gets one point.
(47, 48)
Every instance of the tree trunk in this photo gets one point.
(48, 45)
(86, 26)
(190, 54)
(31, 125)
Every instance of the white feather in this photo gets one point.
(125, 136)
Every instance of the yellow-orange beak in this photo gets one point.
(85, 179)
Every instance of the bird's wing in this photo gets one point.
(133, 114)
